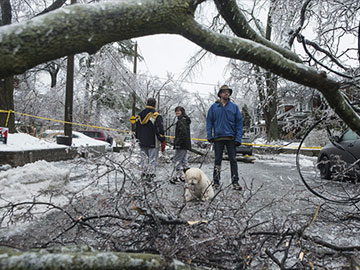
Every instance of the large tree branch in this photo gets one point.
(86, 259)
(85, 28)
(294, 33)
(317, 47)
(237, 21)
(243, 49)
(57, 4)
(5, 12)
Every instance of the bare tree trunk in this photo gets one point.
(69, 93)
(87, 97)
(359, 42)
(116, 22)
(270, 108)
(7, 103)
(53, 68)
(7, 84)
(57, 4)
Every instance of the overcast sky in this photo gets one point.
(169, 54)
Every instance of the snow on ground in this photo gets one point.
(55, 181)
(288, 160)
(282, 144)
(40, 179)
(29, 181)
(23, 142)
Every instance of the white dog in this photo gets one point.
(197, 185)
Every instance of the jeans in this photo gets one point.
(148, 159)
(180, 161)
(231, 150)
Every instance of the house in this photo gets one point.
(292, 112)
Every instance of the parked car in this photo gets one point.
(337, 157)
(98, 135)
(203, 145)
(51, 135)
(246, 147)
(127, 141)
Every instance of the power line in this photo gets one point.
(178, 81)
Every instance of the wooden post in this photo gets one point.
(69, 96)
(134, 92)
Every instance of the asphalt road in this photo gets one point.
(276, 173)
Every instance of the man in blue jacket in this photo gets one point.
(224, 128)
(149, 130)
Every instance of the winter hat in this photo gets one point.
(151, 102)
(224, 87)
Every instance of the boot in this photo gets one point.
(174, 180)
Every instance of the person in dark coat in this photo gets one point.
(182, 143)
(149, 131)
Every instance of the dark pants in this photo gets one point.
(219, 149)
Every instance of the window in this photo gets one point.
(350, 136)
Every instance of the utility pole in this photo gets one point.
(69, 96)
(134, 93)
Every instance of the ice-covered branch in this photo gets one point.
(86, 28)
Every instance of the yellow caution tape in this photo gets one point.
(129, 131)
(65, 122)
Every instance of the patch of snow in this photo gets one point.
(24, 142)
(26, 182)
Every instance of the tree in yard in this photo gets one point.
(246, 118)
(7, 82)
(233, 235)
(267, 82)
(175, 17)
(288, 19)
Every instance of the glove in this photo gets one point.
(163, 144)
(211, 140)
(237, 144)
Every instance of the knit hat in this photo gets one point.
(224, 87)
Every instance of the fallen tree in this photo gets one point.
(84, 259)
(87, 27)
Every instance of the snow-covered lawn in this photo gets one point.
(25, 142)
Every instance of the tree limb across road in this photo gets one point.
(87, 27)
(85, 259)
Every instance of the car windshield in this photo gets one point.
(350, 136)
(92, 134)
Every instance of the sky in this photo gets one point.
(168, 54)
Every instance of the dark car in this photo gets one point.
(337, 157)
(98, 135)
(246, 147)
